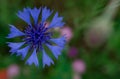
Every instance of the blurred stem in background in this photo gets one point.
(111, 9)
(101, 27)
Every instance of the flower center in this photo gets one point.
(37, 35)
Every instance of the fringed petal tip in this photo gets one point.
(60, 41)
(56, 21)
(46, 59)
(15, 46)
(14, 32)
(35, 13)
(33, 59)
(24, 15)
(23, 52)
(56, 50)
(46, 13)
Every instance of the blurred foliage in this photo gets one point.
(102, 62)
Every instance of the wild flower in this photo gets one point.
(36, 36)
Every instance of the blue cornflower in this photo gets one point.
(36, 36)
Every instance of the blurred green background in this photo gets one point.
(102, 62)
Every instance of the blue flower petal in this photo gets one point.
(23, 52)
(35, 14)
(15, 46)
(56, 50)
(59, 41)
(45, 13)
(46, 59)
(56, 21)
(14, 32)
(33, 59)
(25, 15)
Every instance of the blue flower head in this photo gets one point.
(36, 35)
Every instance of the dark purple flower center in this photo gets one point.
(37, 35)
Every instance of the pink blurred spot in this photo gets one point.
(94, 38)
(79, 66)
(77, 76)
(13, 70)
(72, 52)
(67, 32)
(47, 24)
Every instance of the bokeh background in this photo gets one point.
(93, 40)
